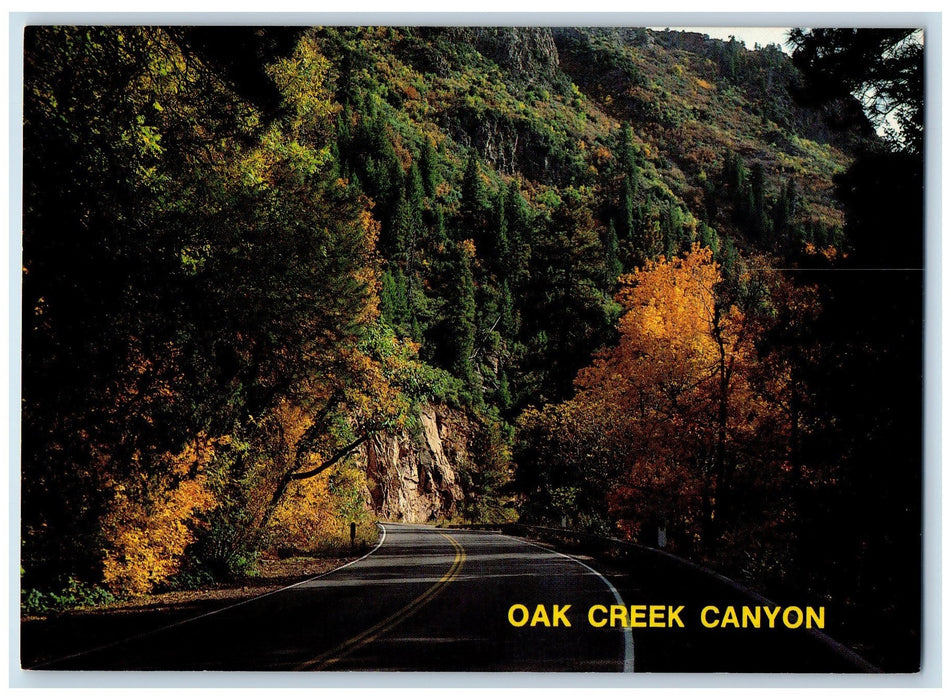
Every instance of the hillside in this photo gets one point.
(585, 131)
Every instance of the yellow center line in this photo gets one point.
(384, 626)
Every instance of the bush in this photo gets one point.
(72, 594)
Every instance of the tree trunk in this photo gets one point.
(294, 475)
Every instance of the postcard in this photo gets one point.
(473, 349)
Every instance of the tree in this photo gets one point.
(366, 398)
(676, 418)
(428, 168)
(192, 269)
(473, 190)
(882, 68)
(120, 370)
(518, 224)
(499, 249)
(565, 312)
(460, 323)
(868, 372)
(612, 264)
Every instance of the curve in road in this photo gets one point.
(426, 600)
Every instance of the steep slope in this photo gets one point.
(571, 154)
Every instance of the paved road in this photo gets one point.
(424, 600)
(430, 599)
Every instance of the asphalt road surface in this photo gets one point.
(430, 599)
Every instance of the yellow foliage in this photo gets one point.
(302, 79)
(667, 332)
(468, 248)
(602, 155)
(317, 512)
(681, 392)
(149, 523)
(829, 252)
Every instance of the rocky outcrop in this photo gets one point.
(526, 53)
(414, 477)
(526, 56)
(511, 144)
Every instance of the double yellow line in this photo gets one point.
(364, 638)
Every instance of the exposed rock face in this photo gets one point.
(525, 55)
(414, 478)
(527, 58)
(511, 144)
(526, 52)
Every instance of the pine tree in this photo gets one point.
(427, 168)
(612, 264)
(393, 301)
(473, 192)
(626, 160)
(461, 313)
(518, 229)
(508, 320)
(626, 218)
(499, 246)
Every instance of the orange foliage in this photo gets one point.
(829, 252)
(150, 521)
(402, 152)
(602, 156)
(682, 394)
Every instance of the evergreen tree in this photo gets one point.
(735, 175)
(518, 221)
(499, 246)
(612, 264)
(427, 168)
(472, 203)
(461, 313)
(626, 159)
(626, 222)
(393, 302)
(758, 215)
(508, 320)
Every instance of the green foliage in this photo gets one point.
(461, 327)
(485, 485)
(220, 267)
(882, 68)
(72, 594)
(196, 577)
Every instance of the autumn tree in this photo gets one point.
(678, 410)
(192, 268)
(120, 370)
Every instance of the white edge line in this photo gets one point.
(213, 612)
(625, 631)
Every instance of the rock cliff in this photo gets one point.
(414, 477)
